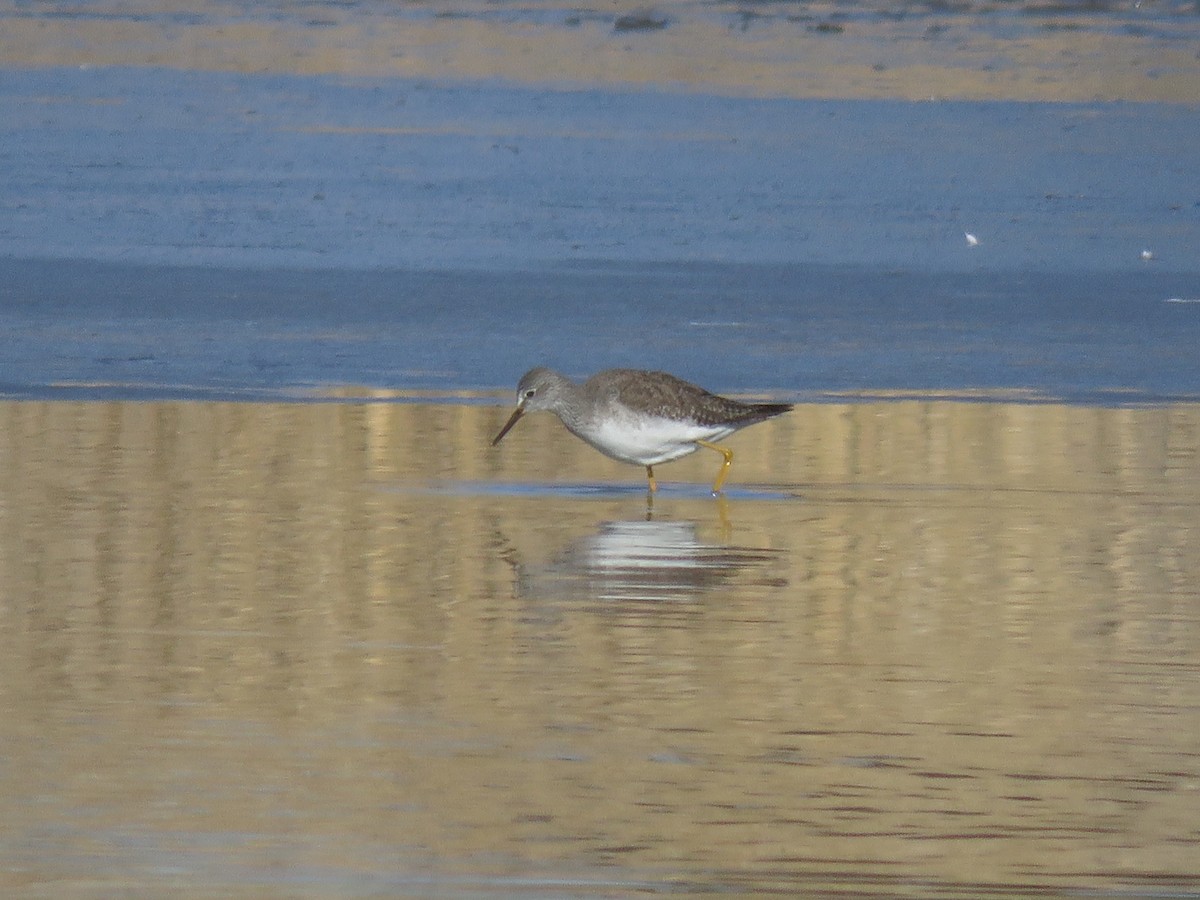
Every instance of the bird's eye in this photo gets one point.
(529, 393)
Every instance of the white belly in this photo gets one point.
(649, 440)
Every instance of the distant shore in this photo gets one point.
(1144, 52)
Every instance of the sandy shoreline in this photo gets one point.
(1142, 52)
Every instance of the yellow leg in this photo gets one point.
(650, 475)
(728, 454)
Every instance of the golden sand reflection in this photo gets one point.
(920, 639)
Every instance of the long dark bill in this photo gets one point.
(512, 420)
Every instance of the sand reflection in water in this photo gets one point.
(324, 647)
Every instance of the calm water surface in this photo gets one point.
(331, 650)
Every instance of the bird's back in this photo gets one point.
(662, 395)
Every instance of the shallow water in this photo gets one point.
(346, 649)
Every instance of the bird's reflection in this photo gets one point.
(643, 561)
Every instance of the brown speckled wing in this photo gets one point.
(662, 394)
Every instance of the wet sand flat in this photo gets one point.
(343, 648)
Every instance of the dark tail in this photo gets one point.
(758, 412)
